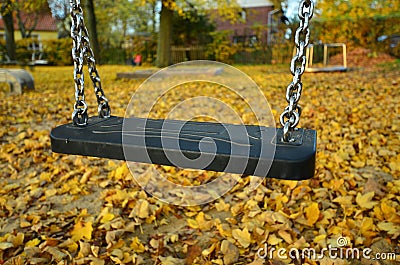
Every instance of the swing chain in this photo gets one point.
(81, 50)
(290, 117)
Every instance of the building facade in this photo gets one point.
(45, 28)
(252, 24)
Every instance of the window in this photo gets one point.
(253, 40)
(239, 39)
(243, 15)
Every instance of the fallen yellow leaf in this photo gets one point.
(7, 245)
(242, 236)
(141, 209)
(192, 223)
(344, 200)
(389, 227)
(107, 217)
(312, 213)
(82, 230)
(274, 240)
(365, 201)
(32, 243)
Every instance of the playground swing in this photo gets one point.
(295, 148)
(312, 66)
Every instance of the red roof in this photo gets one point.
(45, 22)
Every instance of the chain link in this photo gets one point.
(81, 50)
(290, 117)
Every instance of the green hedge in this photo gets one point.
(56, 52)
(113, 56)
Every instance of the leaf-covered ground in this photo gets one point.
(60, 209)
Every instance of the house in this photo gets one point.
(254, 15)
(45, 29)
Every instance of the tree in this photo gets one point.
(118, 19)
(224, 8)
(92, 28)
(165, 34)
(191, 30)
(61, 11)
(35, 9)
(278, 4)
(358, 23)
(7, 14)
(357, 8)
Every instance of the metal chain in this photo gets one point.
(290, 117)
(81, 50)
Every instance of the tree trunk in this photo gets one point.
(91, 24)
(153, 17)
(164, 37)
(10, 39)
(21, 25)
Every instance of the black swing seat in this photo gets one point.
(261, 152)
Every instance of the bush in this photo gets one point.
(113, 56)
(221, 48)
(395, 51)
(23, 54)
(58, 52)
(144, 45)
(3, 50)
